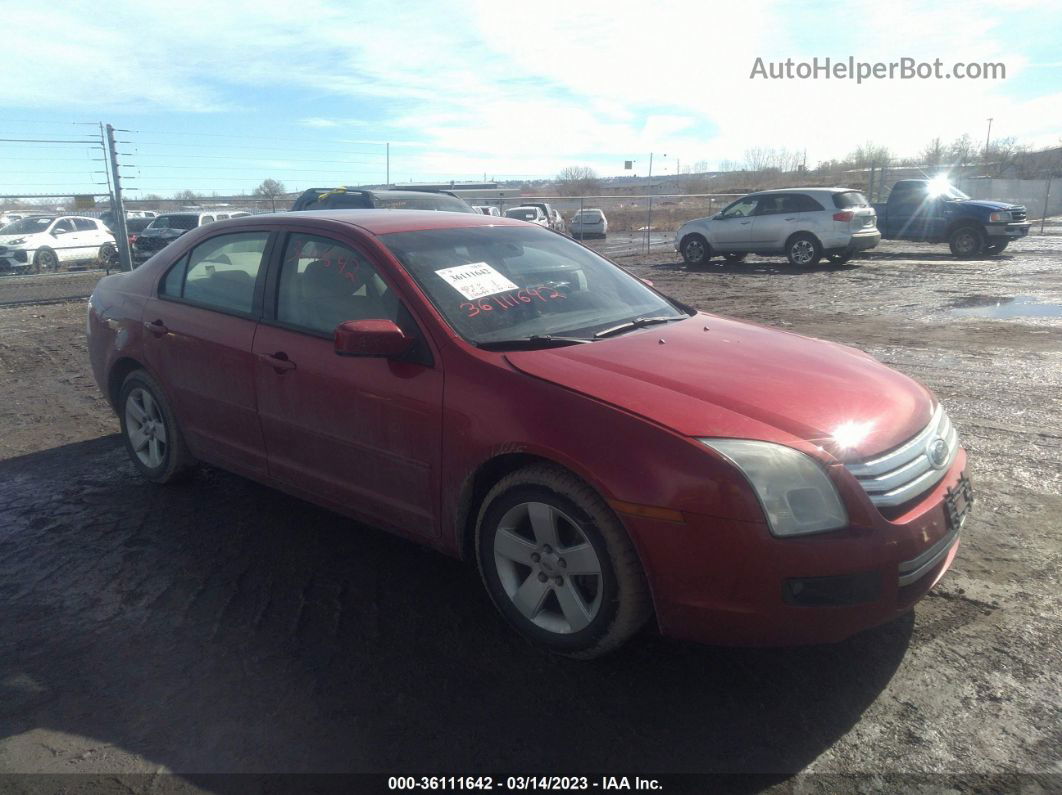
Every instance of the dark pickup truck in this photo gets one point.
(934, 211)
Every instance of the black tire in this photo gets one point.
(967, 242)
(803, 250)
(108, 256)
(735, 256)
(997, 247)
(695, 250)
(619, 599)
(175, 459)
(838, 259)
(45, 260)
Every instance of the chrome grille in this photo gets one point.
(903, 473)
(1018, 214)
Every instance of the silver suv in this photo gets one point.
(805, 224)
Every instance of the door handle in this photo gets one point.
(279, 361)
(745, 222)
(791, 219)
(156, 327)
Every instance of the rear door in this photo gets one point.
(362, 433)
(772, 221)
(199, 331)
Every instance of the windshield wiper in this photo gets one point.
(531, 343)
(638, 322)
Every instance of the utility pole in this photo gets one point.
(120, 230)
(649, 218)
(988, 137)
(388, 164)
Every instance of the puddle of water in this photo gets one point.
(1004, 306)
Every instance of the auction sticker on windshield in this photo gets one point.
(476, 280)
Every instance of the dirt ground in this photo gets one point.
(218, 626)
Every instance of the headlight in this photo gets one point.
(997, 217)
(17, 241)
(796, 495)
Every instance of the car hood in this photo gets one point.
(988, 204)
(714, 376)
(5, 240)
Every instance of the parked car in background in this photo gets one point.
(164, 229)
(342, 198)
(553, 216)
(588, 222)
(531, 213)
(486, 209)
(935, 211)
(10, 218)
(804, 224)
(500, 393)
(40, 243)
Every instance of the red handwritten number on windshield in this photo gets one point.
(510, 300)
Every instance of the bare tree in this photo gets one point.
(1004, 155)
(962, 150)
(933, 153)
(186, 196)
(871, 155)
(577, 181)
(270, 189)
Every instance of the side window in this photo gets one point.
(84, 225)
(173, 281)
(63, 225)
(772, 205)
(740, 209)
(324, 283)
(220, 272)
(222, 216)
(206, 219)
(799, 203)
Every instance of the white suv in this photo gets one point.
(805, 224)
(42, 242)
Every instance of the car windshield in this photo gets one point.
(505, 283)
(939, 187)
(28, 226)
(421, 201)
(522, 215)
(587, 215)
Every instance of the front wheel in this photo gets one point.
(695, 250)
(149, 428)
(803, 251)
(966, 242)
(997, 247)
(558, 565)
(108, 256)
(45, 260)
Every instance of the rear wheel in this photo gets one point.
(997, 247)
(149, 428)
(108, 256)
(695, 250)
(966, 241)
(558, 565)
(803, 251)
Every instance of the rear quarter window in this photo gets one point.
(851, 198)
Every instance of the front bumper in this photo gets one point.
(15, 259)
(1012, 230)
(725, 581)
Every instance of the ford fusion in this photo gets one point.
(606, 456)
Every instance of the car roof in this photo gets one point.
(803, 190)
(376, 221)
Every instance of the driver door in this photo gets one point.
(65, 245)
(362, 434)
(732, 230)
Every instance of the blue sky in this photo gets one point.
(217, 96)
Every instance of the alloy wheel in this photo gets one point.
(548, 567)
(146, 428)
(803, 252)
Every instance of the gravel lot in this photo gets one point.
(219, 626)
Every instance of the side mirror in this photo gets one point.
(57, 232)
(371, 337)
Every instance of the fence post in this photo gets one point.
(121, 231)
(1047, 195)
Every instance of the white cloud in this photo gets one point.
(476, 87)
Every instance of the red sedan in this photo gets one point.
(605, 454)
